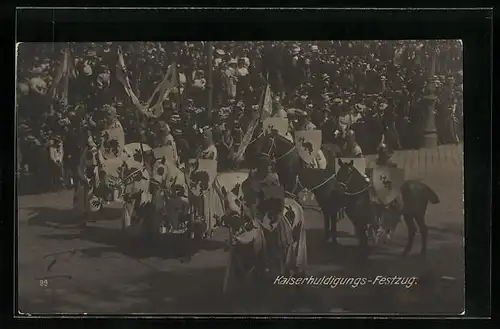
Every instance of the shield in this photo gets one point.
(387, 182)
(359, 164)
(133, 150)
(278, 124)
(113, 141)
(308, 143)
(201, 175)
(229, 180)
(166, 151)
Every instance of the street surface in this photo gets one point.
(99, 271)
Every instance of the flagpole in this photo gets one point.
(137, 115)
(209, 81)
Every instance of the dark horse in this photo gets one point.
(415, 196)
(356, 200)
(295, 176)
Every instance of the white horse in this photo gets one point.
(249, 237)
(121, 179)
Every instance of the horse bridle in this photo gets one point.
(271, 154)
(346, 185)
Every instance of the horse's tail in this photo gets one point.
(430, 194)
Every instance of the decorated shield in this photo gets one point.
(201, 175)
(113, 141)
(359, 164)
(280, 125)
(387, 182)
(133, 150)
(308, 143)
(166, 151)
(229, 180)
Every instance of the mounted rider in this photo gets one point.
(351, 148)
(386, 172)
(163, 137)
(259, 178)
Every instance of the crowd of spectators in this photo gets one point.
(339, 76)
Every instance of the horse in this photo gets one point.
(170, 191)
(250, 239)
(295, 177)
(356, 200)
(116, 179)
(415, 196)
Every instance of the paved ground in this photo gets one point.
(100, 272)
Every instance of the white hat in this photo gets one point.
(220, 52)
(314, 48)
(233, 61)
(383, 106)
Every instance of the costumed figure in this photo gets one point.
(384, 165)
(209, 197)
(351, 147)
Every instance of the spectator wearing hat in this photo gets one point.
(209, 151)
(231, 78)
(37, 84)
(218, 58)
(389, 123)
(226, 146)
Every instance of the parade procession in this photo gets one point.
(188, 139)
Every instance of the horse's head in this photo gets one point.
(348, 176)
(276, 146)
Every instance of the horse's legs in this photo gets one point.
(422, 227)
(360, 228)
(333, 226)
(326, 220)
(412, 229)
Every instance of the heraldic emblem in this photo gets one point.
(308, 143)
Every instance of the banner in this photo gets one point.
(169, 82)
(252, 126)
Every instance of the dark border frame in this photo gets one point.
(474, 27)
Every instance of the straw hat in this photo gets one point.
(383, 106)
(220, 52)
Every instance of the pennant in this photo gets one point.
(267, 105)
(169, 82)
(60, 85)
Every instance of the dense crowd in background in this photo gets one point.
(380, 83)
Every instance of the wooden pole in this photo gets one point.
(210, 81)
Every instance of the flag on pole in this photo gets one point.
(267, 105)
(256, 120)
(60, 85)
(122, 76)
(169, 82)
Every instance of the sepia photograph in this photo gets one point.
(240, 177)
